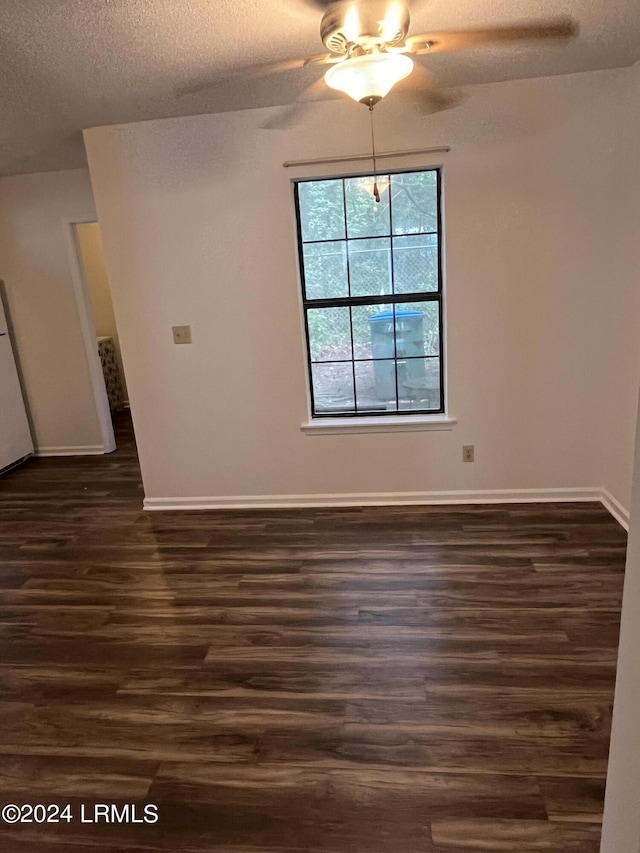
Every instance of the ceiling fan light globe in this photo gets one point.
(370, 77)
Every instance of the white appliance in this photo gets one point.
(15, 438)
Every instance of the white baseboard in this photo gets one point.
(616, 509)
(81, 450)
(375, 499)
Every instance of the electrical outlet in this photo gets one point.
(467, 453)
(181, 334)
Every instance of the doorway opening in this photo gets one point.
(99, 331)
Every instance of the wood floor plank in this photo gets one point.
(513, 836)
(440, 749)
(575, 800)
(42, 776)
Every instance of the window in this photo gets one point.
(372, 294)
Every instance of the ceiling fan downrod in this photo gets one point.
(376, 191)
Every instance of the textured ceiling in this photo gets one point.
(72, 64)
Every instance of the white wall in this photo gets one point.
(621, 824)
(622, 283)
(95, 271)
(35, 267)
(197, 221)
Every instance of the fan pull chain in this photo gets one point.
(376, 191)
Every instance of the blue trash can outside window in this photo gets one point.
(409, 351)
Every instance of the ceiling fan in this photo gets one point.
(369, 52)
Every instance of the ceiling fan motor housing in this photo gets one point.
(364, 24)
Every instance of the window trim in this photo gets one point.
(401, 423)
(368, 420)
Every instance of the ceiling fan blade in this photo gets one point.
(251, 72)
(324, 4)
(422, 87)
(289, 116)
(319, 4)
(562, 28)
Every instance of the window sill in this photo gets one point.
(409, 423)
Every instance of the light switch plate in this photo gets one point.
(181, 334)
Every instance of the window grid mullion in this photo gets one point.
(386, 298)
(440, 301)
(374, 237)
(366, 360)
(353, 361)
(393, 306)
(348, 259)
(346, 236)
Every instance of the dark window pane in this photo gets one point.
(329, 334)
(386, 336)
(325, 270)
(415, 263)
(414, 202)
(375, 386)
(364, 322)
(333, 387)
(417, 329)
(321, 210)
(365, 216)
(418, 383)
(370, 267)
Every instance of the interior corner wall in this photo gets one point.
(34, 265)
(198, 227)
(95, 271)
(621, 820)
(621, 283)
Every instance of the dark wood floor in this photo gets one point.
(404, 680)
